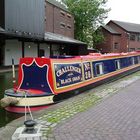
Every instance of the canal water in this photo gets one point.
(6, 83)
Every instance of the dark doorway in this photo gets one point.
(1, 53)
(41, 53)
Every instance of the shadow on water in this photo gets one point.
(6, 83)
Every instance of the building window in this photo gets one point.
(62, 25)
(68, 26)
(116, 45)
(132, 37)
(68, 15)
(62, 13)
(99, 69)
(117, 64)
(138, 37)
(132, 49)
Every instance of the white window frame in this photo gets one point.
(117, 64)
(133, 60)
(101, 70)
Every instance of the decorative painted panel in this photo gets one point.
(68, 74)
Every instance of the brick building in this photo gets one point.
(120, 37)
(61, 21)
(34, 28)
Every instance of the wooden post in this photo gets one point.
(13, 72)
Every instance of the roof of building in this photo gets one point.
(48, 37)
(109, 29)
(52, 37)
(130, 27)
(58, 4)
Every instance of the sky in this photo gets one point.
(124, 10)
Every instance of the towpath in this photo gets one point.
(108, 112)
(116, 118)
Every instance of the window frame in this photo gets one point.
(101, 68)
(62, 13)
(69, 16)
(69, 26)
(116, 45)
(132, 60)
(132, 37)
(62, 25)
(117, 64)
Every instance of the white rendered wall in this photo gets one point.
(13, 50)
(30, 49)
(46, 48)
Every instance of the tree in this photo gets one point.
(88, 15)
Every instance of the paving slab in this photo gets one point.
(115, 118)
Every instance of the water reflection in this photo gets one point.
(6, 83)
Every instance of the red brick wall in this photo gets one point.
(134, 44)
(116, 39)
(59, 21)
(123, 39)
(49, 17)
(106, 46)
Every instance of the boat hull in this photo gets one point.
(33, 103)
(17, 109)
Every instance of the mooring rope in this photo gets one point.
(27, 106)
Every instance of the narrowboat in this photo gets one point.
(42, 80)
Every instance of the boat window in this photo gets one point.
(117, 64)
(138, 59)
(132, 60)
(99, 68)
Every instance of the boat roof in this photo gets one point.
(98, 56)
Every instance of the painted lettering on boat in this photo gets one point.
(87, 70)
(70, 80)
(66, 69)
(68, 74)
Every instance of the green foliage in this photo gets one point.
(88, 15)
(97, 38)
